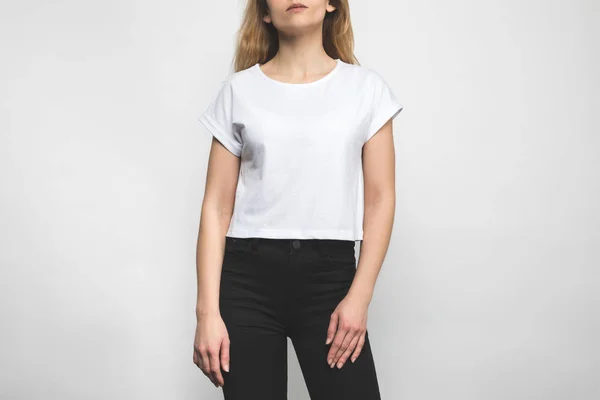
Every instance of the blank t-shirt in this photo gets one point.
(300, 149)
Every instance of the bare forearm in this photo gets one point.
(209, 258)
(377, 227)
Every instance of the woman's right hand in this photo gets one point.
(211, 347)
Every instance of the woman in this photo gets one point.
(294, 149)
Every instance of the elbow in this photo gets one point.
(217, 210)
(379, 195)
(380, 198)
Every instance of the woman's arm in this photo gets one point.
(211, 342)
(380, 206)
(348, 322)
(217, 209)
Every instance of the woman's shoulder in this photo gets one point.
(358, 76)
(366, 77)
(365, 73)
(232, 78)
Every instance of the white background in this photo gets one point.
(490, 287)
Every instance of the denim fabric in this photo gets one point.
(272, 289)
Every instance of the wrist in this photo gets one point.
(362, 295)
(205, 311)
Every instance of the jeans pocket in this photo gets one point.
(237, 245)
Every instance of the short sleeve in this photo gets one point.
(218, 119)
(384, 105)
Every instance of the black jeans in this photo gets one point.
(272, 289)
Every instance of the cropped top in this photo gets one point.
(300, 149)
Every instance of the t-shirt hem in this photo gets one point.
(391, 111)
(217, 132)
(296, 234)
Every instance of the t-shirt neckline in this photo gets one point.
(338, 64)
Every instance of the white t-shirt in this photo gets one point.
(300, 146)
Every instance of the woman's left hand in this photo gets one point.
(348, 323)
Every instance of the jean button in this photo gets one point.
(296, 244)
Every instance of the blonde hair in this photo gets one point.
(257, 41)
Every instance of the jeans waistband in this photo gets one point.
(299, 245)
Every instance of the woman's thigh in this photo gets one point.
(258, 367)
(354, 381)
(322, 281)
(250, 308)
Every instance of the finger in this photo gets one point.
(197, 358)
(225, 354)
(333, 323)
(347, 353)
(204, 361)
(335, 346)
(215, 368)
(344, 346)
(359, 346)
